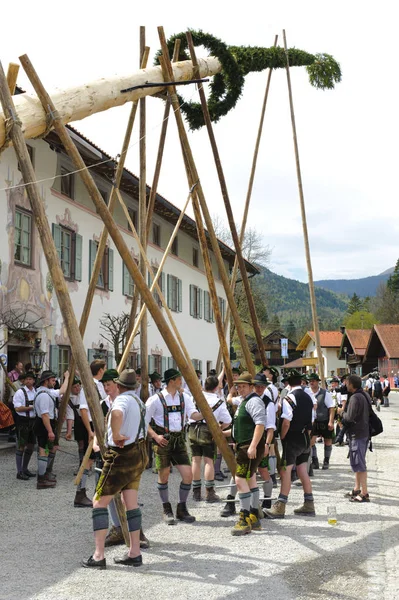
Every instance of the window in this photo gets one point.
(133, 361)
(106, 276)
(133, 215)
(127, 283)
(195, 257)
(31, 152)
(195, 302)
(208, 310)
(161, 283)
(172, 364)
(175, 287)
(208, 367)
(156, 234)
(67, 182)
(23, 237)
(175, 247)
(60, 357)
(222, 307)
(69, 249)
(155, 363)
(197, 364)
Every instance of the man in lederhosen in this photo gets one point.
(169, 409)
(202, 444)
(124, 463)
(249, 436)
(323, 425)
(45, 405)
(296, 424)
(25, 424)
(261, 388)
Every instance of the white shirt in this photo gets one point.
(274, 391)
(129, 404)
(20, 400)
(75, 400)
(83, 400)
(369, 384)
(154, 410)
(45, 402)
(221, 414)
(288, 412)
(270, 414)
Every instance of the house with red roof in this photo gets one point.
(353, 349)
(383, 350)
(330, 342)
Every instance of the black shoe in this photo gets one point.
(90, 563)
(267, 503)
(219, 477)
(229, 509)
(182, 513)
(22, 476)
(325, 465)
(29, 473)
(315, 462)
(136, 561)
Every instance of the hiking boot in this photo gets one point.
(50, 476)
(244, 524)
(168, 514)
(326, 465)
(43, 483)
(306, 510)
(114, 537)
(315, 462)
(255, 523)
(229, 508)
(144, 542)
(182, 513)
(277, 511)
(81, 500)
(22, 476)
(197, 494)
(210, 495)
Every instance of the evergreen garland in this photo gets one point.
(237, 61)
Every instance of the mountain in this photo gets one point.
(366, 286)
(289, 300)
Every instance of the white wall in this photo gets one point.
(330, 358)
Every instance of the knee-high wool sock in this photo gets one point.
(163, 492)
(255, 498)
(245, 500)
(18, 459)
(83, 481)
(268, 488)
(184, 490)
(233, 488)
(133, 518)
(272, 465)
(218, 463)
(100, 519)
(327, 453)
(50, 463)
(314, 451)
(26, 459)
(42, 465)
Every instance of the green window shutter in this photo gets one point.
(150, 363)
(149, 279)
(90, 355)
(110, 269)
(179, 295)
(54, 359)
(200, 365)
(169, 292)
(206, 306)
(138, 359)
(110, 360)
(125, 280)
(170, 363)
(57, 238)
(199, 291)
(191, 300)
(92, 256)
(164, 363)
(162, 282)
(78, 257)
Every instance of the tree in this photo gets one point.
(387, 304)
(291, 330)
(360, 319)
(253, 247)
(115, 331)
(18, 324)
(355, 304)
(366, 304)
(393, 281)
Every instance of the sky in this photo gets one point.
(347, 136)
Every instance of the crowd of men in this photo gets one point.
(169, 431)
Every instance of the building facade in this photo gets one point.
(26, 289)
(330, 342)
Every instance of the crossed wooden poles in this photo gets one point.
(172, 339)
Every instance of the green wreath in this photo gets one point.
(237, 61)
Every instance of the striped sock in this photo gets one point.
(308, 497)
(197, 483)
(184, 491)
(209, 483)
(282, 498)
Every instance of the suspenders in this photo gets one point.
(169, 409)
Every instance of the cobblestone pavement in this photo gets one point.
(43, 538)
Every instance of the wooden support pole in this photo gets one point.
(53, 264)
(304, 222)
(194, 178)
(154, 285)
(101, 246)
(233, 278)
(186, 369)
(227, 204)
(12, 76)
(142, 233)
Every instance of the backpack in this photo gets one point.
(377, 387)
(375, 423)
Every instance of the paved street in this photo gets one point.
(43, 538)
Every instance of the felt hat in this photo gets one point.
(155, 376)
(21, 377)
(170, 374)
(245, 378)
(272, 370)
(295, 374)
(110, 375)
(138, 371)
(335, 380)
(127, 379)
(46, 375)
(212, 372)
(30, 374)
(314, 377)
(260, 379)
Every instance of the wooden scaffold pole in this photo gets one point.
(304, 223)
(194, 178)
(234, 273)
(186, 369)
